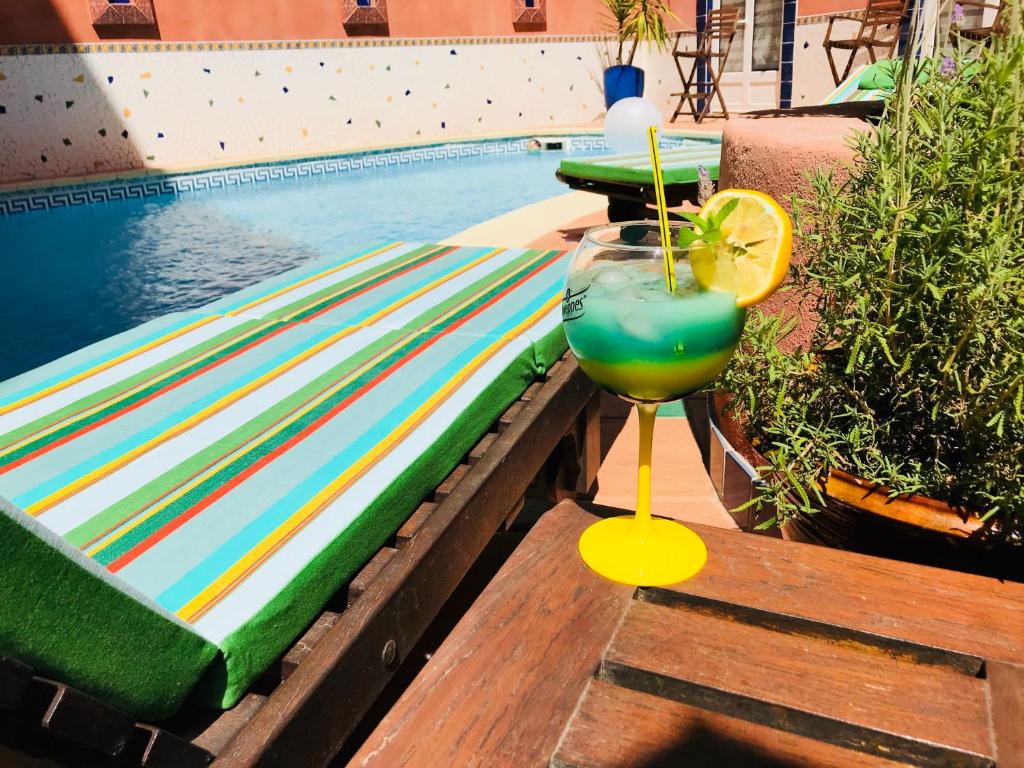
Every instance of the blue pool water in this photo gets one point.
(71, 276)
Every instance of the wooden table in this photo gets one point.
(776, 654)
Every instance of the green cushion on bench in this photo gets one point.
(679, 165)
(236, 464)
(70, 619)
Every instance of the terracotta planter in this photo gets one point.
(860, 516)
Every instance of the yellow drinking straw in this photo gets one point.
(659, 194)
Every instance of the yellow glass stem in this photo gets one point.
(640, 549)
(642, 522)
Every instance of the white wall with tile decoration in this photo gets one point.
(812, 77)
(94, 112)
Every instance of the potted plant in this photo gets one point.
(900, 430)
(633, 22)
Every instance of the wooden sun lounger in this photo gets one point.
(302, 711)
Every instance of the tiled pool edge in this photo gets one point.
(154, 183)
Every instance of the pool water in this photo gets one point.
(72, 276)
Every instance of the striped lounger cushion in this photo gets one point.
(194, 490)
(849, 90)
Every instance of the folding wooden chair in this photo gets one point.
(879, 28)
(981, 34)
(713, 45)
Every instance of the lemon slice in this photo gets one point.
(752, 257)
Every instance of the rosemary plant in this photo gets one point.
(914, 378)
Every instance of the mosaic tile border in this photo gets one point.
(40, 49)
(177, 185)
(822, 18)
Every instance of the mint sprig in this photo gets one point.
(706, 230)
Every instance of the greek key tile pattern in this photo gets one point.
(22, 201)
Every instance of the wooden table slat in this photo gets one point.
(1006, 704)
(958, 612)
(619, 728)
(865, 699)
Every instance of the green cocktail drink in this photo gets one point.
(647, 344)
(641, 342)
(653, 312)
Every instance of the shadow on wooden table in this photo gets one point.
(704, 747)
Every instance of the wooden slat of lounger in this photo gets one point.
(510, 415)
(362, 580)
(532, 391)
(866, 701)
(475, 716)
(478, 450)
(923, 613)
(620, 728)
(298, 652)
(347, 670)
(412, 526)
(444, 490)
(158, 748)
(219, 733)
(80, 718)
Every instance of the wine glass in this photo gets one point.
(648, 346)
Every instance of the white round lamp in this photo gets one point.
(626, 124)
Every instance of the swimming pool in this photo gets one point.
(75, 274)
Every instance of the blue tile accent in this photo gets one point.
(190, 183)
(703, 83)
(786, 54)
(905, 26)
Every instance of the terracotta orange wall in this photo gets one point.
(58, 21)
(815, 7)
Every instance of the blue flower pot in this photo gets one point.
(621, 82)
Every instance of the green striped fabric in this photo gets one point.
(679, 165)
(234, 465)
(850, 90)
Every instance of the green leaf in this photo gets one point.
(723, 213)
(687, 237)
(695, 219)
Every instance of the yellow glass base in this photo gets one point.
(665, 553)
